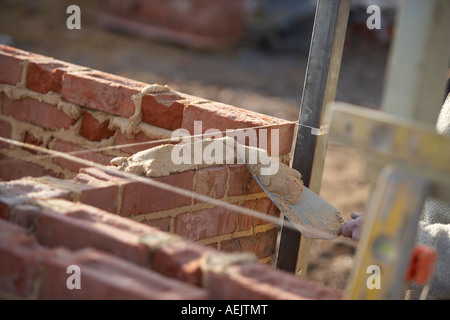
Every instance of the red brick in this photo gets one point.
(105, 277)
(127, 145)
(31, 189)
(100, 174)
(262, 244)
(97, 193)
(79, 152)
(5, 131)
(260, 206)
(255, 281)
(101, 91)
(79, 226)
(88, 190)
(94, 215)
(11, 63)
(31, 139)
(166, 21)
(245, 221)
(104, 175)
(39, 113)
(11, 69)
(164, 110)
(104, 198)
(4, 210)
(46, 75)
(10, 231)
(20, 258)
(225, 117)
(212, 19)
(265, 205)
(205, 223)
(181, 262)
(286, 138)
(24, 215)
(21, 191)
(93, 129)
(211, 245)
(241, 181)
(285, 281)
(211, 182)
(162, 224)
(139, 198)
(13, 169)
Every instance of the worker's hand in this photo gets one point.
(352, 228)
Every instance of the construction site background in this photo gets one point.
(264, 72)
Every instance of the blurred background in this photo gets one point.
(248, 53)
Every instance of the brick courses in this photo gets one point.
(54, 211)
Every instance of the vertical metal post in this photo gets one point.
(319, 90)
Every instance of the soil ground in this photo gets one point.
(268, 81)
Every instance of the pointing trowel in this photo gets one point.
(311, 215)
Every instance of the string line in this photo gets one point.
(224, 132)
(314, 131)
(190, 194)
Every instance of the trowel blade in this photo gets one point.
(311, 215)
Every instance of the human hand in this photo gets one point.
(352, 228)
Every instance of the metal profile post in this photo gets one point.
(319, 90)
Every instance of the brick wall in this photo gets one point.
(217, 23)
(72, 109)
(43, 233)
(91, 214)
